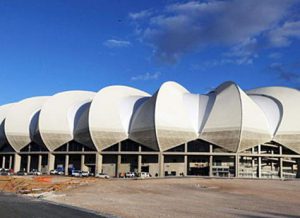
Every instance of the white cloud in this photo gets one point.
(281, 36)
(146, 76)
(140, 15)
(190, 26)
(113, 43)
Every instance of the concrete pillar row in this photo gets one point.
(17, 162)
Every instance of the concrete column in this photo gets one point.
(139, 163)
(98, 167)
(259, 163)
(3, 161)
(185, 172)
(17, 162)
(298, 168)
(253, 163)
(67, 165)
(82, 162)
(210, 173)
(28, 163)
(40, 163)
(10, 161)
(118, 171)
(185, 147)
(236, 165)
(161, 161)
(280, 163)
(51, 162)
(210, 165)
(140, 158)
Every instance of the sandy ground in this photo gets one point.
(186, 197)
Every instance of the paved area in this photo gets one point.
(187, 197)
(12, 206)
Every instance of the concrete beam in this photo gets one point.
(17, 162)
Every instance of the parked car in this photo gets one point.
(21, 173)
(130, 174)
(35, 172)
(85, 173)
(102, 175)
(5, 172)
(76, 173)
(57, 172)
(145, 175)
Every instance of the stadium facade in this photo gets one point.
(226, 132)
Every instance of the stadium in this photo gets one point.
(227, 132)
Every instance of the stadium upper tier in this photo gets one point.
(227, 117)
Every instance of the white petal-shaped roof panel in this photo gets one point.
(255, 127)
(288, 132)
(20, 125)
(272, 110)
(235, 122)
(173, 122)
(57, 117)
(3, 113)
(111, 113)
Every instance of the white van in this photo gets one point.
(144, 175)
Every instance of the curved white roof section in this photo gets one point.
(57, 117)
(111, 112)
(20, 125)
(167, 119)
(272, 110)
(235, 122)
(175, 122)
(3, 113)
(288, 131)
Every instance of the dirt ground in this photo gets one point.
(174, 197)
(186, 197)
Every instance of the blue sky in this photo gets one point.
(52, 46)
